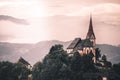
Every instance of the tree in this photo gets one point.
(97, 54)
(114, 72)
(57, 65)
(76, 66)
(81, 64)
(108, 64)
(5, 71)
(54, 65)
(116, 68)
(11, 71)
(21, 71)
(56, 48)
(104, 58)
(36, 71)
(88, 63)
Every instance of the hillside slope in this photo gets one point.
(36, 52)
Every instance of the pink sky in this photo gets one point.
(60, 20)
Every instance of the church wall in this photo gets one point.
(80, 51)
(69, 50)
(86, 50)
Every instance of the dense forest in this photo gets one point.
(58, 65)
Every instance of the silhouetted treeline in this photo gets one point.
(13, 71)
(58, 65)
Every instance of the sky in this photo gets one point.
(31, 21)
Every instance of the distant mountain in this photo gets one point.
(41, 49)
(112, 52)
(12, 51)
(35, 52)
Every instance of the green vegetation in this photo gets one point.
(53, 67)
(13, 71)
(58, 65)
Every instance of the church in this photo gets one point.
(84, 46)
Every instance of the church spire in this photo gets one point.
(90, 34)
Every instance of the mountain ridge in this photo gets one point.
(36, 52)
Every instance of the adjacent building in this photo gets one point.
(24, 62)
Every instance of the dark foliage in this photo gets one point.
(97, 53)
(57, 65)
(53, 67)
(104, 58)
(11, 71)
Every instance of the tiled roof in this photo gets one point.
(80, 44)
(23, 61)
(84, 43)
(74, 43)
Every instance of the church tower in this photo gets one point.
(84, 46)
(90, 34)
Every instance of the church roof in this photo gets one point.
(84, 43)
(21, 60)
(80, 44)
(90, 33)
(74, 43)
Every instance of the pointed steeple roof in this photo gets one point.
(90, 34)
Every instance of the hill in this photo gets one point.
(35, 52)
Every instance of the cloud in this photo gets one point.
(13, 19)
